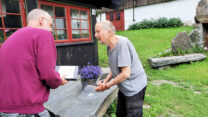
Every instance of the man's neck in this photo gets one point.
(113, 42)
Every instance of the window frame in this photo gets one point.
(68, 21)
(111, 15)
(22, 14)
(118, 16)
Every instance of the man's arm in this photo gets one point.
(108, 78)
(125, 73)
(46, 62)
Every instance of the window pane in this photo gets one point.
(85, 24)
(74, 13)
(76, 34)
(60, 23)
(85, 33)
(117, 16)
(111, 17)
(62, 34)
(84, 15)
(53, 23)
(47, 8)
(1, 22)
(9, 32)
(10, 6)
(54, 34)
(75, 24)
(59, 12)
(13, 21)
(1, 36)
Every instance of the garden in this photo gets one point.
(180, 91)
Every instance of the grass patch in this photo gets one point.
(167, 100)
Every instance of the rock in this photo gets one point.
(202, 11)
(197, 92)
(146, 106)
(196, 37)
(164, 61)
(188, 23)
(181, 42)
(165, 52)
(202, 8)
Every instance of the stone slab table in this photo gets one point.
(70, 101)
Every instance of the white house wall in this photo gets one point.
(183, 9)
(101, 17)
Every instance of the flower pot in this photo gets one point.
(86, 82)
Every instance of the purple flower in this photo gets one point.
(90, 71)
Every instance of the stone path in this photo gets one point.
(175, 84)
(160, 82)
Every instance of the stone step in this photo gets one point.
(172, 60)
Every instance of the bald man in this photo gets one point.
(27, 65)
(126, 71)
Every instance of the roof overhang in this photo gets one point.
(112, 4)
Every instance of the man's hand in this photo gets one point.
(102, 85)
(63, 79)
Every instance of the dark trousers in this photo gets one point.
(130, 106)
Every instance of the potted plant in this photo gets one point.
(89, 75)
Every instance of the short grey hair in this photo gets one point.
(107, 25)
(35, 14)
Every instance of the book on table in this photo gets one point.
(71, 72)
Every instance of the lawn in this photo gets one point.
(189, 98)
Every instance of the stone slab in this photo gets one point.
(70, 101)
(164, 61)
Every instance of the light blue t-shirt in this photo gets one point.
(122, 55)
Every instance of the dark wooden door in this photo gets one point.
(117, 18)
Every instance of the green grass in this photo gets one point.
(167, 100)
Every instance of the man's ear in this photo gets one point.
(41, 20)
(110, 32)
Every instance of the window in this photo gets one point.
(71, 24)
(117, 16)
(79, 24)
(11, 17)
(111, 17)
(59, 21)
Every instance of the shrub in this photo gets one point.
(161, 23)
(175, 22)
(158, 23)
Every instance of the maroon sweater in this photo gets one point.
(27, 71)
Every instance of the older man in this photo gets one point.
(126, 71)
(27, 65)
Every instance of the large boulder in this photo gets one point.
(202, 11)
(196, 36)
(181, 42)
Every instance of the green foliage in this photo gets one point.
(167, 100)
(1, 36)
(62, 36)
(158, 23)
(175, 22)
(111, 110)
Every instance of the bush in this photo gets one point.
(158, 23)
(175, 22)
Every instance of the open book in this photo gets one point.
(71, 72)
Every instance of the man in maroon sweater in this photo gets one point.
(27, 68)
